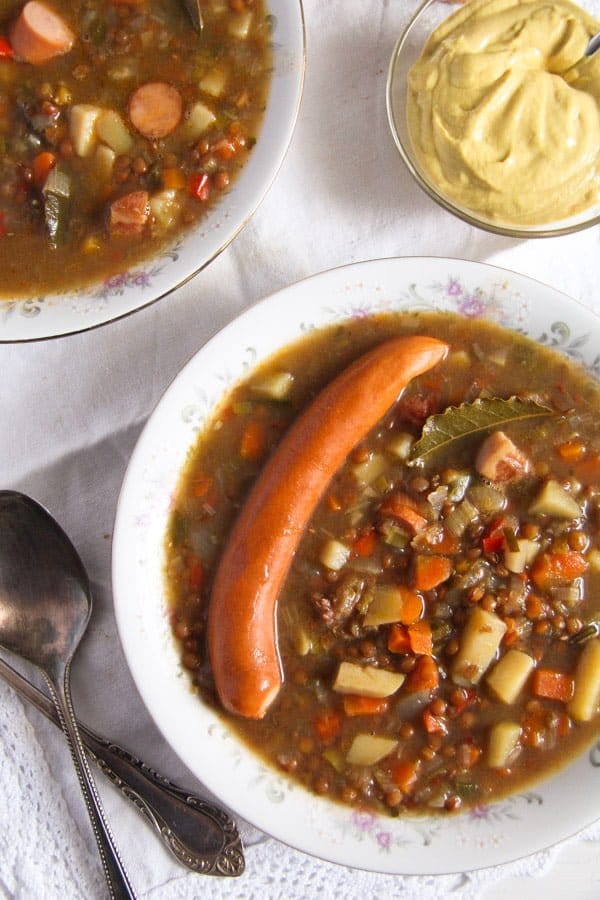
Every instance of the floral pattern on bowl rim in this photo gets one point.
(35, 318)
(480, 837)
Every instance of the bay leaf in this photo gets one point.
(470, 418)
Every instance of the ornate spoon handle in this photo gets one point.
(201, 836)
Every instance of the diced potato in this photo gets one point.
(366, 681)
(478, 645)
(82, 127)
(165, 208)
(517, 560)
(334, 555)
(111, 129)
(370, 470)
(553, 500)
(504, 744)
(104, 160)
(586, 697)
(401, 445)
(386, 605)
(214, 81)
(367, 749)
(509, 675)
(240, 24)
(276, 387)
(198, 119)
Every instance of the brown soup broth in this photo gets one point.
(307, 733)
(118, 47)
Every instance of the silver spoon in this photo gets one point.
(45, 606)
(593, 45)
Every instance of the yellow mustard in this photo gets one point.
(504, 110)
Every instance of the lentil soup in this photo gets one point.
(120, 125)
(438, 627)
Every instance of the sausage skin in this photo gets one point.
(242, 630)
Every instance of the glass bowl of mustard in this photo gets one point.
(495, 110)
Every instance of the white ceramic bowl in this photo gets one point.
(53, 315)
(483, 836)
(407, 51)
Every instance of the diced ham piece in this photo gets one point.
(499, 459)
(39, 34)
(129, 213)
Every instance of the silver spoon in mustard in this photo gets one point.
(45, 606)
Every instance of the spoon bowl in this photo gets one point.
(45, 598)
(45, 606)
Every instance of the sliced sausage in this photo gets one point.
(155, 109)
(242, 631)
(499, 459)
(129, 214)
(39, 34)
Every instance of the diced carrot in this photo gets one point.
(365, 544)
(563, 725)
(534, 607)
(254, 441)
(398, 640)
(419, 635)
(196, 573)
(438, 540)
(333, 503)
(404, 773)
(402, 508)
(424, 677)
(43, 164)
(355, 705)
(173, 179)
(431, 571)
(328, 725)
(225, 149)
(201, 485)
(412, 606)
(533, 725)
(572, 450)
(557, 568)
(552, 684)
(433, 724)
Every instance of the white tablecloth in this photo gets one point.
(71, 410)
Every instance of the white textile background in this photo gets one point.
(71, 410)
